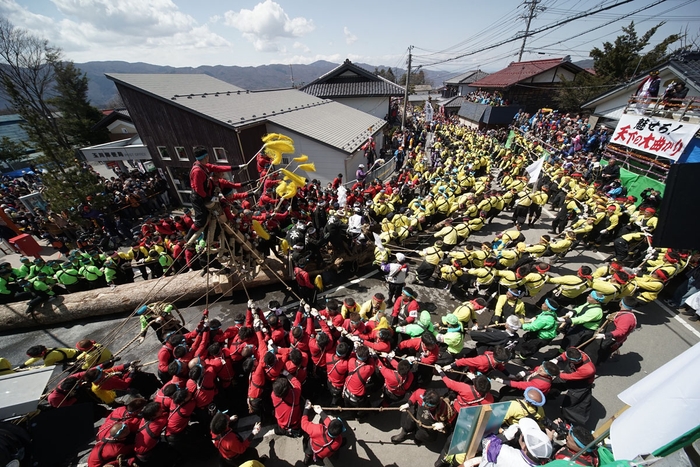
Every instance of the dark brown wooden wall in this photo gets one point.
(163, 124)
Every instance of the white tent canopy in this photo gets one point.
(663, 406)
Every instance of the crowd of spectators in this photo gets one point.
(494, 99)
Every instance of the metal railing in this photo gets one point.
(382, 172)
(676, 109)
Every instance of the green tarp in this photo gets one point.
(509, 141)
(678, 443)
(636, 183)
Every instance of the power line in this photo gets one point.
(536, 31)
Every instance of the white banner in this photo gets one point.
(428, 111)
(657, 136)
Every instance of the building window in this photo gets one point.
(181, 180)
(181, 153)
(164, 154)
(220, 155)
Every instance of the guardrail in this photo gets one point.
(382, 172)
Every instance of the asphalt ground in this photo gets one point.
(662, 334)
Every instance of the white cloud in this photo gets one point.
(215, 19)
(303, 47)
(266, 23)
(116, 29)
(349, 37)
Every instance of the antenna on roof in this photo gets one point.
(291, 72)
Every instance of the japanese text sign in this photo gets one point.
(657, 136)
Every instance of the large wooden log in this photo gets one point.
(127, 297)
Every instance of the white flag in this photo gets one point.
(534, 170)
(428, 111)
(378, 242)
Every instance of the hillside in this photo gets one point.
(103, 90)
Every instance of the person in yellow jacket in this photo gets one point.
(534, 280)
(509, 304)
(669, 262)
(613, 288)
(571, 286)
(539, 199)
(485, 276)
(649, 285)
(468, 312)
(561, 247)
(450, 273)
(511, 279)
(448, 234)
(431, 258)
(92, 353)
(508, 239)
(538, 249)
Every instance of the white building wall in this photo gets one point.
(553, 75)
(377, 106)
(329, 161)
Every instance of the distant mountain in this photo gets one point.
(102, 90)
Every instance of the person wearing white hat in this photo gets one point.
(535, 447)
(396, 275)
(360, 174)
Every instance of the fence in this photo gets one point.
(382, 172)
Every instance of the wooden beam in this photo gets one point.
(606, 426)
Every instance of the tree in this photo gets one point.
(386, 74)
(616, 63)
(619, 61)
(51, 97)
(71, 102)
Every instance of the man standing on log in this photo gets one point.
(203, 188)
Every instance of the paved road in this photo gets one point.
(660, 337)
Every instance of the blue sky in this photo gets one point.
(250, 33)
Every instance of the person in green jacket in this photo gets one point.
(40, 289)
(581, 323)
(110, 271)
(69, 278)
(451, 342)
(539, 331)
(165, 261)
(39, 266)
(23, 271)
(6, 295)
(417, 328)
(92, 274)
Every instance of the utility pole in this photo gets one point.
(532, 12)
(405, 93)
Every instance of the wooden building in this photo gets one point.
(175, 113)
(356, 87)
(529, 85)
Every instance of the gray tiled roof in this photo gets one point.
(468, 77)
(334, 124)
(10, 127)
(350, 80)
(163, 85)
(456, 101)
(326, 121)
(354, 89)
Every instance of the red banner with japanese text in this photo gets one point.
(657, 136)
